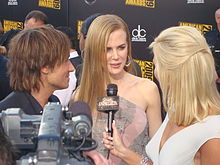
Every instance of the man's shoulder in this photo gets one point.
(3, 59)
(13, 100)
(53, 98)
(7, 36)
(3, 64)
(211, 33)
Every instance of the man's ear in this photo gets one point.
(45, 70)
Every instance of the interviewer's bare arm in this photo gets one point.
(149, 91)
(210, 152)
(117, 147)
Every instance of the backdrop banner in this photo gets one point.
(145, 18)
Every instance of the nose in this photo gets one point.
(71, 67)
(115, 54)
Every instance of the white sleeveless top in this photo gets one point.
(180, 148)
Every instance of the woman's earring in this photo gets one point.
(128, 62)
(82, 54)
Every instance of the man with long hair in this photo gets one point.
(38, 65)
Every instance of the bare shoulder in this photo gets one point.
(145, 84)
(146, 88)
(210, 152)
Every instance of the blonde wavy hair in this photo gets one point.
(186, 72)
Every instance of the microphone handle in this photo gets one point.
(110, 130)
(110, 120)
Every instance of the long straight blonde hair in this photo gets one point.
(95, 73)
(187, 75)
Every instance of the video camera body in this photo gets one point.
(49, 139)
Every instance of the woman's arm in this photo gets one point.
(151, 95)
(210, 152)
(117, 147)
(97, 157)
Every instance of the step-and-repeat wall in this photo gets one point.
(145, 18)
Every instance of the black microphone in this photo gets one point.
(112, 90)
(109, 104)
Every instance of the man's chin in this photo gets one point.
(63, 87)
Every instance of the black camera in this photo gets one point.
(52, 138)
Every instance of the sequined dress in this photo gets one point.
(131, 122)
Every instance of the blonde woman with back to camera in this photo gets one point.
(107, 60)
(190, 133)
